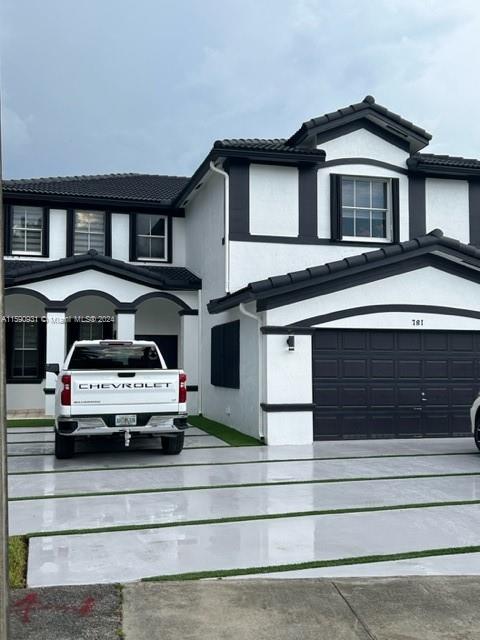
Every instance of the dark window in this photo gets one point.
(225, 355)
(83, 330)
(364, 209)
(151, 237)
(89, 231)
(27, 231)
(106, 357)
(25, 351)
(168, 346)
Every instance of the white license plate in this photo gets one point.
(125, 421)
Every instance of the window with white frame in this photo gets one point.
(27, 229)
(366, 208)
(151, 241)
(89, 231)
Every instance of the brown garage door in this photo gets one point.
(386, 384)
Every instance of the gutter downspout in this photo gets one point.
(258, 320)
(226, 222)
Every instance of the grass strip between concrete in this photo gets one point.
(233, 437)
(226, 573)
(17, 561)
(246, 518)
(219, 464)
(237, 486)
(30, 422)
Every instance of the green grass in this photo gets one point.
(225, 573)
(247, 518)
(31, 422)
(17, 561)
(233, 437)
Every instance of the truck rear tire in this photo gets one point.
(172, 445)
(64, 446)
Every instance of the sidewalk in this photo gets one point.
(431, 608)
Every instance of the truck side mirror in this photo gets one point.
(52, 367)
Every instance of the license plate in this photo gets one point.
(125, 421)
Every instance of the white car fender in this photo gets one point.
(473, 412)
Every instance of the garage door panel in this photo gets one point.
(382, 341)
(382, 368)
(409, 369)
(463, 369)
(369, 384)
(435, 341)
(408, 424)
(323, 369)
(437, 424)
(355, 368)
(355, 426)
(460, 341)
(409, 396)
(354, 340)
(383, 397)
(435, 369)
(409, 341)
(382, 425)
(355, 397)
(463, 396)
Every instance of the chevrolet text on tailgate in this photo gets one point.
(118, 387)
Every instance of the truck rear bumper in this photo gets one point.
(105, 425)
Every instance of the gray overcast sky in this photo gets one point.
(100, 86)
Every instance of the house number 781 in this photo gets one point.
(417, 323)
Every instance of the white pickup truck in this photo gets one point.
(118, 387)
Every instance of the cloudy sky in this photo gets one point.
(101, 86)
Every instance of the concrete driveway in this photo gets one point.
(353, 508)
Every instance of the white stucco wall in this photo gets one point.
(25, 396)
(120, 236)
(364, 144)
(273, 200)
(288, 380)
(123, 290)
(252, 261)
(204, 220)
(58, 234)
(425, 286)
(447, 207)
(358, 170)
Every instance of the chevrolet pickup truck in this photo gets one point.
(118, 388)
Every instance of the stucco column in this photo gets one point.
(188, 355)
(56, 340)
(125, 324)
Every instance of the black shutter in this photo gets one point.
(225, 355)
(9, 327)
(335, 206)
(42, 349)
(395, 210)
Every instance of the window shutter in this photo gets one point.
(395, 210)
(225, 355)
(335, 206)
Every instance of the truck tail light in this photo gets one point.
(66, 393)
(182, 388)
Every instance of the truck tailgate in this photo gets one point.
(128, 392)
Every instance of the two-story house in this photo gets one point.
(316, 287)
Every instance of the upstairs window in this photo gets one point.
(27, 231)
(364, 209)
(89, 231)
(151, 237)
